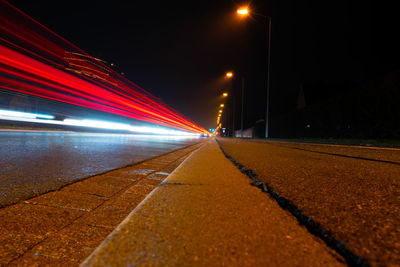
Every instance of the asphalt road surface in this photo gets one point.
(353, 192)
(32, 163)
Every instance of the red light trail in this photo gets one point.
(38, 62)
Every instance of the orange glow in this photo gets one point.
(229, 74)
(225, 94)
(220, 111)
(222, 105)
(244, 11)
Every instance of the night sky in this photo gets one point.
(179, 50)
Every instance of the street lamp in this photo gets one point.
(225, 94)
(230, 75)
(222, 105)
(243, 12)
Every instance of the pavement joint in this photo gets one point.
(103, 197)
(60, 207)
(342, 155)
(171, 183)
(313, 227)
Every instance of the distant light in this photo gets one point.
(19, 114)
(243, 11)
(222, 105)
(225, 94)
(220, 111)
(229, 74)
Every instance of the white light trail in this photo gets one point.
(49, 119)
(19, 114)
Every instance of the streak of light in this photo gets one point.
(36, 61)
(83, 55)
(41, 74)
(47, 119)
(19, 114)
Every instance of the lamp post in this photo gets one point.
(229, 75)
(244, 11)
(241, 113)
(268, 67)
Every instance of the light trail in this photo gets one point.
(87, 123)
(18, 114)
(38, 62)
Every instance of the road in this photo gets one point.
(35, 162)
(353, 192)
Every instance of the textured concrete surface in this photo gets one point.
(353, 192)
(63, 227)
(388, 154)
(207, 214)
(32, 163)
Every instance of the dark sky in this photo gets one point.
(180, 50)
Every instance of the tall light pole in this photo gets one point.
(229, 75)
(245, 12)
(268, 67)
(241, 114)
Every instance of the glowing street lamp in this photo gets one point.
(244, 11)
(225, 94)
(229, 74)
(222, 105)
(220, 111)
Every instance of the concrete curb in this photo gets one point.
(94, 254)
